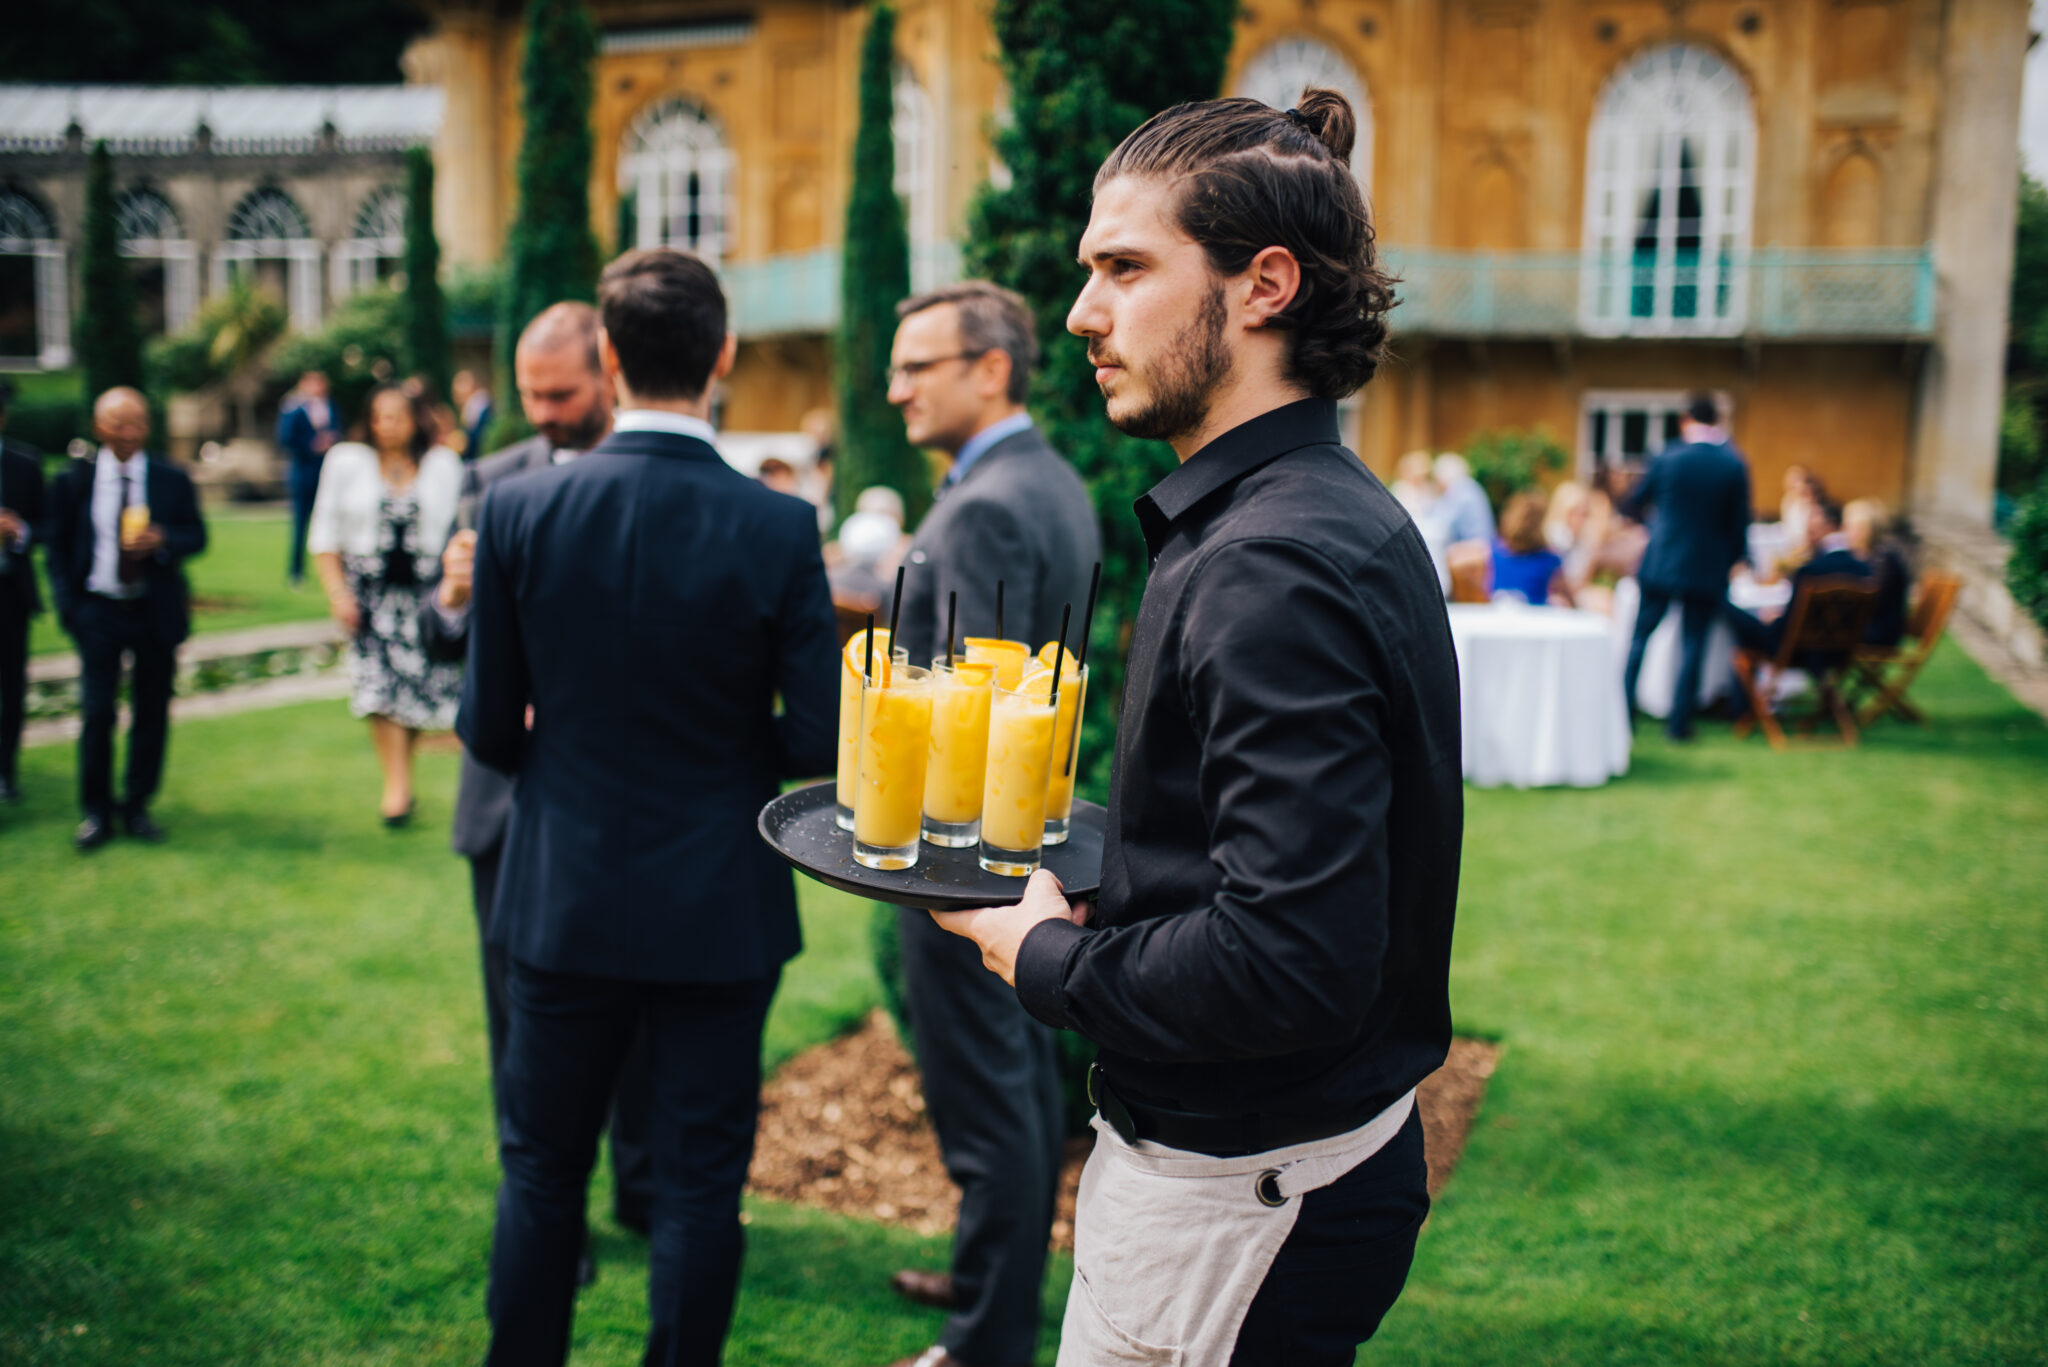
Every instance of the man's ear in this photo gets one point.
(1273, 279)
(727, 354)
(992, 373)
(607, 355)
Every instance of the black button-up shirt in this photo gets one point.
(1273, 933)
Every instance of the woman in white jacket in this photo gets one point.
(380, 520)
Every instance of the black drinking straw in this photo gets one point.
(999, 612)
(952, 601)
(1081, 665)
(867, 675)
(1059, 653)
(895, 607)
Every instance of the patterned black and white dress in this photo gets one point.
(389, 674)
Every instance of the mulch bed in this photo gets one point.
(843, 1127)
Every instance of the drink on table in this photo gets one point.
(894, 745)
(1019, 771)
(1066, 759)
(1009, 657)
(850, 661)
(959, 752)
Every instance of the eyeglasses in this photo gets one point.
(910, 370)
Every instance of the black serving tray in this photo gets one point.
(800, 827)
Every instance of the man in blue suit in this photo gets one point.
(305, 429)
(634, 617)
(1699, 494)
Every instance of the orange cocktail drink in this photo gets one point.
(959, 752)
(851, 661)
(894, 743)
(1009, 657)
(1020, 727)
(1066, 756)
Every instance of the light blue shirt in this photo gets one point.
(977, 445)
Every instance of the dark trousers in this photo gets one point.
(632, 1165)
(991, 1081)
(1699, 612)
(107, 630)
(1344, 1262)
(13, 676)
(570, 1035)
(304, 484)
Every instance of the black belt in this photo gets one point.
(1219, 1136)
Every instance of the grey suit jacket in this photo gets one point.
(483, 802)
(1020, 514)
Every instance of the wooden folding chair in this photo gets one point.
(1823, 628)
(1880, 675)
(1471, 567)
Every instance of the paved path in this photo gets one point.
(297, 688)
(212, 645)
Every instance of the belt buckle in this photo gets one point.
(1109, 1106)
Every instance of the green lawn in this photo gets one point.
(238, 583)
(1771, 1088)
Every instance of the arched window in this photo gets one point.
(375, 246)
(1282, 70)
(917, 171)
(678, 171)
(166, 265)
(268, 238)
(35, 316)
(1670, 176)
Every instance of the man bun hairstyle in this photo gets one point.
(1248, 177)
(665, 315)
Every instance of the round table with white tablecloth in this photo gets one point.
(1541, 700)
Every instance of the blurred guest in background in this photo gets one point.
(473, 410)
(121, 527)
(21, 526)
(779, 475)
(306, 427)
(382, 517)
(1413, 484)
(1827, 557)
(819, 425)
(865, 540)
(1699, 491)
(1524, 565)
(1863, 535)
(1463, 505)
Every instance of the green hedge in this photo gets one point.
(2027, 572)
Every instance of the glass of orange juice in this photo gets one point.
(1020, 725)
(1009, 657)
(134, 521)
(895, 746)
(851, 661)
(959, 752)
(1066, 755)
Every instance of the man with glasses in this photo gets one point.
(1009, 508)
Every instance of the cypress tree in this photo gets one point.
(108, 335)
(426, 313)
(1081, 77)
(874, 276)
(550, 252)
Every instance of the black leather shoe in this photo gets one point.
(925, 1288)
(10, 791)
(138, 825)
(92, 833)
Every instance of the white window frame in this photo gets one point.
(671, 141)
(301, 255)
(375, 237)
(161, 237)
(31, 233)
(915, 133)
(1668, 102)
(1286, 66)
(1658, 404)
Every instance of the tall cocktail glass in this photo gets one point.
(1009, 657)
(851, 661)
(1066, 755)
(1020, 725)
(959, 752)
(894, 744)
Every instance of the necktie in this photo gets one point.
(130, 570)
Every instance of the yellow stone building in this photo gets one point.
(1596, 205)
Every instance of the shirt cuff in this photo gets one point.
(456, 620)
(1042, 970)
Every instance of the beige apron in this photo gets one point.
(1171, 1246)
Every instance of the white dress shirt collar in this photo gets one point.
(662, 420)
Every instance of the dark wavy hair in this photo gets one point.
(425, 430)
(1249, 177)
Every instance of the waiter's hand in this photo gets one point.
(11, 525)
(458, 570)
(1000, 931)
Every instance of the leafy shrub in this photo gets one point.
(2026, 574)
(2020, 452)
(1507, 461)
(361, 345)
(48, 421)
(232, 329)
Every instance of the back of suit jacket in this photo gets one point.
(173, 506)
(1020, 514)
(1700, 529)
(21, 489)
(651, 603)
(483, 798)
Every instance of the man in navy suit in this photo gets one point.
(21, 527)
(1699, 491)
(121, 590)
(305, 429)
(644, 606)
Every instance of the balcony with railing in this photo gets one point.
(798, 292)
(1771, 293)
